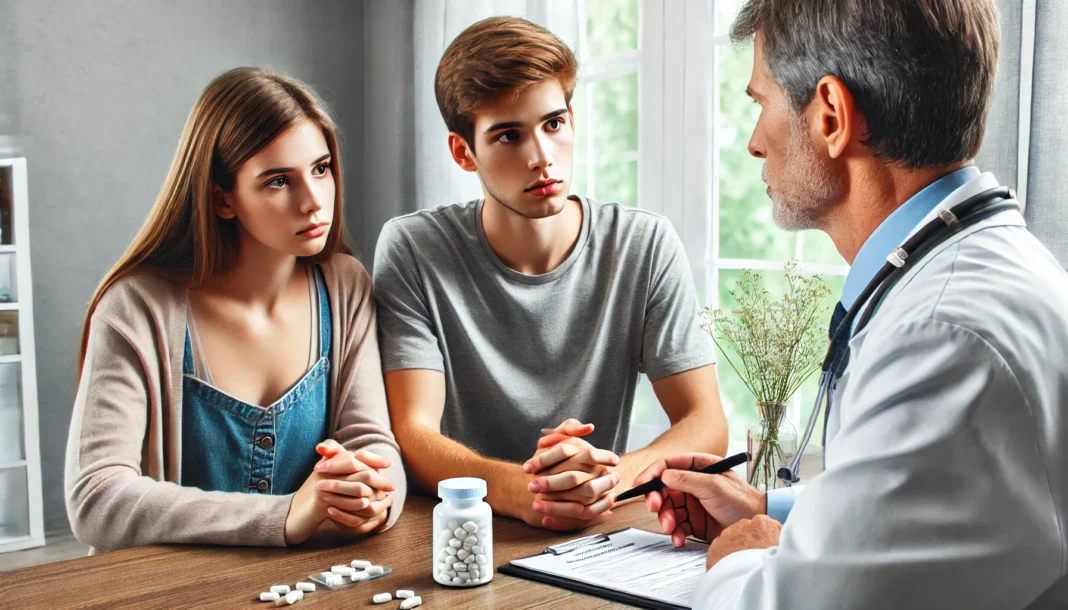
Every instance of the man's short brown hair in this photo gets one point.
(493, 57)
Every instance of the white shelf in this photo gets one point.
(18, 543)
(21, 478)
(11, 539)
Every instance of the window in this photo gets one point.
(663, 123)
(606, 101)
(744, 235)
(607, 139)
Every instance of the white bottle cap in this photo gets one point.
(463, 488)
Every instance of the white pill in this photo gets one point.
(360, 564)
(325, 575)
(382, 598)
(294, 596)
(450, 551)
(451, 573)
(411, 602)
(269, 596)
(334, 580)
(477, 550)
(471, 541)
(473, 571)
(443, 567)
(459, 566)
(282, 601)
(462, 554)
(470, 560)
(280, 589)
(467, 581)
(405, 594)
(460, 533)
(457, 581)
(306, 586)
(471, 526)
(359, 576)
(481, 559)
(443, 579)
(343, 570)
(454, 543)
(376, 570)
(453, 524)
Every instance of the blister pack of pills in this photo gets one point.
(342, 577)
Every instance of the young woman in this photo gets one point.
(230, 387)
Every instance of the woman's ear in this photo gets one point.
(222, 203)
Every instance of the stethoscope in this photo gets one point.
(950, 221)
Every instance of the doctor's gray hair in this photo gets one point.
(920, 71)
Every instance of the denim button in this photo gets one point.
(266, 442)
(263, 485)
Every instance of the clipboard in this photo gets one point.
(608, 593)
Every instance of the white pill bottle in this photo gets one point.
(463, 534)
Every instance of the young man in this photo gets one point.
(529, 308)
(946, 439)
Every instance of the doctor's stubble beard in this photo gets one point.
(807, 186)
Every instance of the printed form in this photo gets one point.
(633, 561)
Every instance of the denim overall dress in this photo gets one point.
(231, 445)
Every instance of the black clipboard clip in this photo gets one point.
(572, 545)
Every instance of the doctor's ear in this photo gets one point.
(222, 203)
(834, 116)
(461, 152)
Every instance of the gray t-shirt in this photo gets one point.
(525, 352)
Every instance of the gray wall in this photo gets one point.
(98, 93)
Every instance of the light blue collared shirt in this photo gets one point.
(896, 228)
(871, 257)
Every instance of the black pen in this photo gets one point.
(656, 484)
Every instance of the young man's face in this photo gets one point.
(523, 149)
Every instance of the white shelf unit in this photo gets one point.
(21, 511)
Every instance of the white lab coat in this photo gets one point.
(946, 481)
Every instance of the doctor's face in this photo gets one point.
(802, 182)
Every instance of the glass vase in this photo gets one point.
(772, 443)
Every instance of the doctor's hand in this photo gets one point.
(760, 532)
(698, 504)
(574, 483)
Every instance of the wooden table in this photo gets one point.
(233, 577)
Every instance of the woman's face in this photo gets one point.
(283, 196)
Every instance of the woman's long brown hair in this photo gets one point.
(183, 240)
